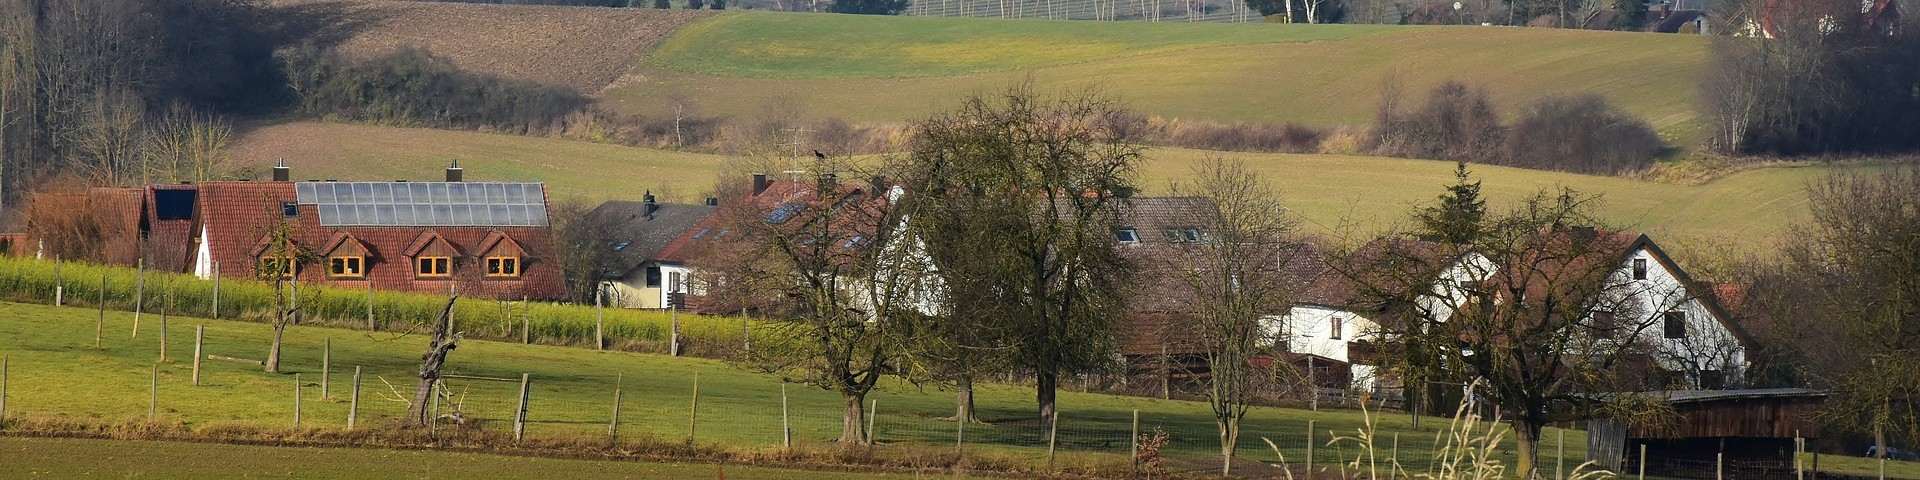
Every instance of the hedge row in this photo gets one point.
(34, 281)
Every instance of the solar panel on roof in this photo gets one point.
(425, 203)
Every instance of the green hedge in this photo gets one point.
(34, 281)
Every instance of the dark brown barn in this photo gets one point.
(1754, 429)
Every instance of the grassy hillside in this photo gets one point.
(1331, 193)
(890, 69)
(90, 458)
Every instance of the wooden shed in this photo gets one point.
(1754, 429)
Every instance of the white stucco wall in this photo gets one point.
(1709, 344)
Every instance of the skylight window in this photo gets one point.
(783, 213)
(1127, 235)
(618, 246)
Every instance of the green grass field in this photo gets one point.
(888, 69)
(89, 458)
(55, 372)
(1331, 194)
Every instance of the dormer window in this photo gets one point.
(499, 267)
(433, 267)
(346, 267)
(1127, 235)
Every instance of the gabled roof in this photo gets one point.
(1705, 293)
(1154, 217)
(636, 237)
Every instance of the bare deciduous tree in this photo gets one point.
(1845, 301)
(842, 285)
(1054, 167)
(1236, 276)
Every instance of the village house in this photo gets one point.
(487, 239)
(1698, 344)
(646, 243)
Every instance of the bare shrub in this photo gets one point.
(1344, 140)
(1457, 122)
(1581, 133)
(1245, 137)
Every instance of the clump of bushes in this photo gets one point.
(1578, 133)
(1457, 122)
(410, 87)
(1581, 133)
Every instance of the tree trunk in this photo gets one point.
(1046, 383)
(273, 352)
(279, 325)
(1229, 441)
(963, 399)
(853, 422)
(1879, 440)
(444, 340)
(1526, 447)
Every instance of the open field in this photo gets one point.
(889, 69)
(1330, 193)
(55, 373)
(90, 458)
(879, 69)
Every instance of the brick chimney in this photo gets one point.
(454, 172)
(651, 206)
(281, 172)
(759, 183)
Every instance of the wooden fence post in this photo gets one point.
(433, 413)
(693, 412)
(199, 338)
(153, 393)
(786, 429)
(1309, 440)
(1799, 447)
(873, 416)
(1560, 454)
(1133, 443)
(613, 425)
(3, 389)
(673, 330)
(166, 306)
(139, 293)
(1394, 471)
(101, 324)
(59, 284)
(296, 400)
(1053, 437)
(216, 290)
(520, 414)
(372, 326)
(1643, 461)
(326, 366)
(353, 405)
(599, 322)
(526, 321)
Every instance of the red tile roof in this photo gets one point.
(238, 215)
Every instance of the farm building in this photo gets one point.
(1753, 429)
(487, 239)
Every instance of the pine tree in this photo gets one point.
(1456, 218)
